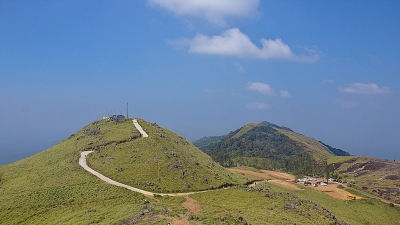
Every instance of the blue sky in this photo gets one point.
(326, 69)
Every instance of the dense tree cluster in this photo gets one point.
(265, 148)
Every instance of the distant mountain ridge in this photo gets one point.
(268, 146)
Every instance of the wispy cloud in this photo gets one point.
(327, 81)
(365, 89)
(233, 42)
(260, 87)
(257, 105)
(214, 11)
(285, 94)
(210, 92)
(239, 67)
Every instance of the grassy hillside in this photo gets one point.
(269, 146)
(378, 177)
(204, 141)
(269, 204)
(163, 162)
(51, 186)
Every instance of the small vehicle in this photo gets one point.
(315, 184)
(323, 184)
(351, 197)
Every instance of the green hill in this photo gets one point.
(163, 162)
(205, 141)
(269, 146)
(52, 188)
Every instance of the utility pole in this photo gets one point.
(127, 115)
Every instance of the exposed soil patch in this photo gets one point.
(271, 177)
(331, 190)
(192, 206)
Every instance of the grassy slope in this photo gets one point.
(370, 175)
(244, 130)
(316, 149)
(50, 188)
(163, 162)
(274, 205)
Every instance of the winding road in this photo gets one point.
(82, 162)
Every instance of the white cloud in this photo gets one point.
(257, 105)
(285, 94)
(366, 89)
(260, 87)
(233, 42)
(215, 11)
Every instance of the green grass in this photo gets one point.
(339, 159)
(310, 207)
(51, 187)
(315, 148)
(164, 162)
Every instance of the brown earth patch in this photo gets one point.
(331, 190)
(192, 206)
(271, 177)
(285, 184)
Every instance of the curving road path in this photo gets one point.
(82, 162)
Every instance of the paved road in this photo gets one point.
(82, 162)
(140, 129)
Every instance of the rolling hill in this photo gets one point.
(51, 188)
(268, 146)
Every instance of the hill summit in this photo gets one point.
(268, 146)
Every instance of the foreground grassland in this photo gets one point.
(269, 204)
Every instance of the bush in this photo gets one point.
(340, 186)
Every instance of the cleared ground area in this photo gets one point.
(285, 180)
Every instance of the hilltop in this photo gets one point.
(268, 146)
